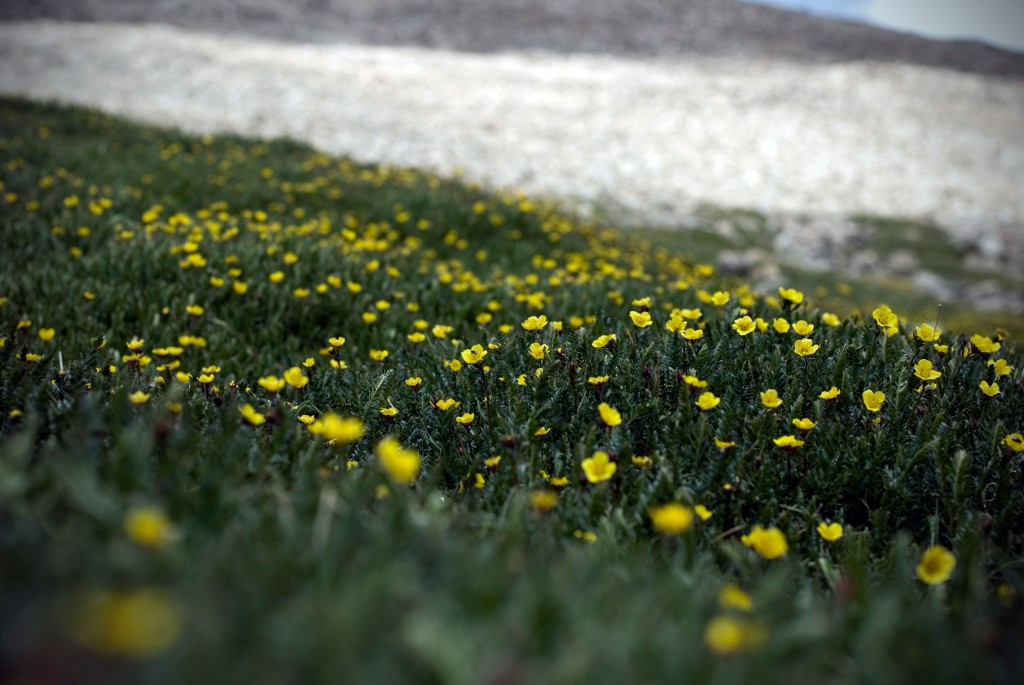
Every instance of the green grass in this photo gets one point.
(267, 555)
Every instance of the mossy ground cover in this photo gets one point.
(269, 416)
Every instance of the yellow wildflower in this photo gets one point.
(707, 401)
(923, 370)
(788, 441)
(138, 397)
(535, 323)
(770, 543)
(873, 399)
(465, 419)
(926, 333)
(791, 295)
(378, 355)
(271, 384)
(989, 390)
(599, 467)
(830, 532)
(543, 500)
(609, 415)
(724, 444)
(732, 597)
(474, 354)
(770, 399)
(388, 412)
(414, 382)
(1000, 367)
(702, 512)
(538, 351)
(1015, 441)
(602, 341)
(149, 527)
(744, 325)
(46, 334)
(335, 429)
(885, 317)
(692, 334)
(829, 394)
(251, 416)
(640, 319)
(802, 328)
(804, 424)
(805, 347)
(400, 464)
(936, 565)
(780, 326)
(725, 635)
(295, 378)
(672, 518)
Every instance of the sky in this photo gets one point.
(999, 22)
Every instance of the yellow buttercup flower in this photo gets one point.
(400, 464)
(474, 354)
(138, 623)
(802, 328)
(538, 351)
(673, 518)
(640, 319)
(599, 467)
(923, 370)
(337, 430)
(388, 412)
(446, 404)
(936, 565)
(791, 295)
(830, 319)
(984, 345)
(251, 416)
(885, 317)
(416, 338)
(780, 326)
(46, 334)
(926, 333)
(829, 394)
(830, 532)
(770, 543)
(788, 441)
(695, 382)
(465, 419)
(692, 334)
(724, 444)
(378, 355)
(543, 500)
(720, 298)
(702, 512)
(732, 597)
(873, 399)
(597, 380)
(609, 415)
(1000, 367)
(744, 325)
(149, 526)
(602, 341)
(414, 382)
(1015, 441)
(725, 635)
(535, 323)
(805, 347)
(990, 390)
(295, 378)
(770, 399)
(271, 383)
(804, 424)
(138, 397)
(707, 401)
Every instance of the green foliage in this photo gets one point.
(271, 555)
